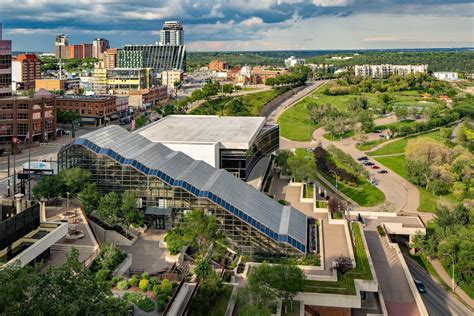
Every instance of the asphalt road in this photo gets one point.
(437, 300)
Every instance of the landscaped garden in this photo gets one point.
(345, 280)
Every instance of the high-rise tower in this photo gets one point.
(60, 46)
(172, 33)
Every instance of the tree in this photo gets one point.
(109, 208)
(74, 179)
(130, 215)
(335, 205)
(302, 168)
(140, 121)
(343, 264)
(89, 198)
(203, 269)
(49, 187)
(281, 160)
(418, 172)
(401, 112)
(228, 88)
(366, 120)
(284, 280)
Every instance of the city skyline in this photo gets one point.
(245, 25)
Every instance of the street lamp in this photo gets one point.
(452, 258)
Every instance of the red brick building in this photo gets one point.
(79, 51)
(111, 58)
(93, 110)
(218, 65)
(26, 68)
(25, 117)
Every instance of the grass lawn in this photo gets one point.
(295, 124)
(370, 144)
(291, 312)
(345, 282)
(398, 147)
(428, 201)
(339, 137)
(396, 124)
(308, 191)
(254, 103)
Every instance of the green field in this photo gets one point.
(252, 104)
(370, 144)
(398, 147)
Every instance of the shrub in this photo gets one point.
(133, 281)
(149, 287)
(143, 285)
(161, 305)
(343, 264)
(102, 275)
(381, 230)
(153, 281)
(144, 303)
(145, 275)
(122, 285)
(166, 287)
(156, 289)
(115, 280)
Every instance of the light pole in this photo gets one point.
(67, 201)
(452, 258)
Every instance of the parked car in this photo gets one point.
(374, 182)
(365, 158)
(375, 167)
(420, 286)
(370, 164)
(382, 171)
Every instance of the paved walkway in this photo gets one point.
(447, 279)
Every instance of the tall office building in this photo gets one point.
(157, 57)
(60, 46)
(5, 66)
(99, 46)
(172, 33)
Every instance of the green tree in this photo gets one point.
(130, 214)
(203, 269)
(366, 120)
(89, 198)
(401, 112)
(49, 187)
(75, 179)
(228, 88)
(302, 168)
(140, 121)
(109, 208)
(284, 280)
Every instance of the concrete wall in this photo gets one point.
(123, 266)
(40, 246)
(331, 300)
(111, 236)
(400, 229)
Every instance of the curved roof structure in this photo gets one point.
(281, 223)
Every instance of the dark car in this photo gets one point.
(375, 167)
(383, 171)
(369, 164)
(365, 158)
(420, 286)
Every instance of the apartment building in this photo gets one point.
(122, 80)
(80, 51)
(293, 61)
(26, 68)
(25, 117)
(99, 46)
(93, 110)
(168, 78)
(172, 33)
(5, 66)
(146, 98)
(386, 70)
(60, 45)
(111, 58)
(446, 75)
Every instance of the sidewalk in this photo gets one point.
(447, 279)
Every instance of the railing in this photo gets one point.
(92, 257)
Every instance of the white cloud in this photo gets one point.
(251, 22)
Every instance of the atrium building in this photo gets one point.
(168, 183)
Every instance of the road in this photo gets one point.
(437, 300)
(393, 283)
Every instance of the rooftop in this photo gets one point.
(85, 97)
(231, 131)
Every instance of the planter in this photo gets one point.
(74, 234)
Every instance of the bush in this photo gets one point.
(102, 275)
(122, 285)
(143, 285)
(156, 289)
(133, 281)
(149, 287)
(381, 230)
(144, 303)
(161, 305)
(153, 281)
(115, 280)
(166, 287)
(145, 275)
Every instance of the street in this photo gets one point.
(437, 300)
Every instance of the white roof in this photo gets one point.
(232, 132)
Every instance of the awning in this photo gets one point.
(88, 119)
(114, 116)
(154, 210)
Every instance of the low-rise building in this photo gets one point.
(26, 68)
(293, 61)
(218, 65)
(22, 118)
(446, 75)
(386, 70)
(147, 98)
(50, 84)
(122, 106)
(169, 77)
(120, 81)
(259, 75)
(93, 110)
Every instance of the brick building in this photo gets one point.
(21, 117)
(93, 110)
(111, 58)
(80, 51)
(26, 68)
(218, 65)
(147, 98)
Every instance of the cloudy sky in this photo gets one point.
(244, 24)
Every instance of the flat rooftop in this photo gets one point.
(233, 132)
